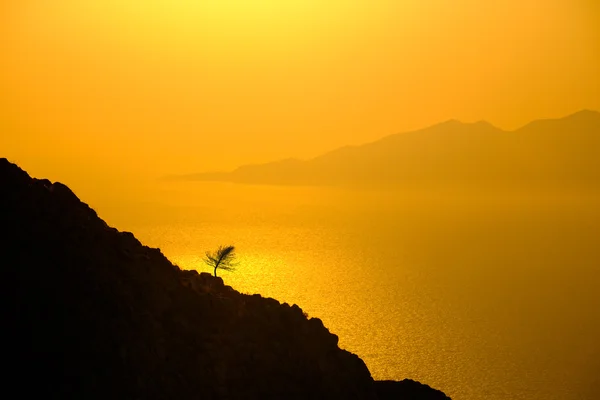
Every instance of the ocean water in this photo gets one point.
(482, 295)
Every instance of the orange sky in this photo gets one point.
(116, 90)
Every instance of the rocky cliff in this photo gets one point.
(91, 313)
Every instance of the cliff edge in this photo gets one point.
(92, 313)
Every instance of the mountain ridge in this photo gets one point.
(550, 152)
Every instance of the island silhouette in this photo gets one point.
(91, 313)
(553, 153)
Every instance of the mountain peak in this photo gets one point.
(585, 113)
(450, 122)
(454, 125)
(584, 118)
(484, 123)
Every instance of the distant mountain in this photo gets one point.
(553, 152)
(89, 312)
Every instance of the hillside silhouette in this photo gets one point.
(91, 313)
(546, 153)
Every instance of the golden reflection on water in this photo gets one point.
(492, 297)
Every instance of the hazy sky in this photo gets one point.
(118, 89)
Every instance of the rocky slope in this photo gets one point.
(92, 313)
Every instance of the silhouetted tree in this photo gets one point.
(222, 258)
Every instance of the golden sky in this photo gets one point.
(115, 90)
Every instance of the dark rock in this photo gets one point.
(91, 313)
(407, 389)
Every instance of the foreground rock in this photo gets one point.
(407, 389)
(90, 313)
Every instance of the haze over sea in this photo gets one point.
(482, 295)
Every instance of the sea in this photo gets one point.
(481, 293)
